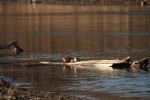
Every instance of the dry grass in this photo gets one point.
(16, 93)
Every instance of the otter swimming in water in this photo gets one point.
(68, 59)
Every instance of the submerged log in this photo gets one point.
(124, 63)
(7, 45)
(44, 63)
(141, 64)
(17, 48)
(103, 64)
(121, 65)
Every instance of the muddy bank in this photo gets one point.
(79, 2)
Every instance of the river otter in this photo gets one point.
(76, 59)
(68, 59)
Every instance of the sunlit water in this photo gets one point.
(48, 32)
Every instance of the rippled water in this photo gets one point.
(48, 32)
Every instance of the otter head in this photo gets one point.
(76, 59)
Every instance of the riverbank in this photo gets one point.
(78, 2)
(8, 92)
(23, 94)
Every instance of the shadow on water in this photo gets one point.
(48, 32)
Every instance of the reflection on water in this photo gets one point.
(63, 29)
(48, 32)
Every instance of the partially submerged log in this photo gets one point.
(17, 48)
(141, 64)
(44, 63)
(121, 65)
(115, 64)
(124, 63)
(103, 64)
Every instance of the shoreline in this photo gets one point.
(15, 93)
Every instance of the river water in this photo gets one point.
(48, 32)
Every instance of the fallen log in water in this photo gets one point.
(121, 65)
(141, 64)
(115, 64)
(102, 64)
(125, 63)
(17, 48)
(44, 63)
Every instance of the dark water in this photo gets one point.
(48, 32)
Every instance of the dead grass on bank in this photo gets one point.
(15, 93)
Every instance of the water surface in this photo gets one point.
(48, 32)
